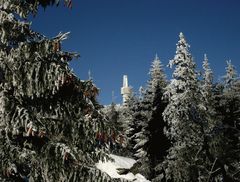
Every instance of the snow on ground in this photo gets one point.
(110, 168)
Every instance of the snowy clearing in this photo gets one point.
(120, 162)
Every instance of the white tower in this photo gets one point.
(125, 90)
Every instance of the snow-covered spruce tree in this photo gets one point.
(152, 144)
(225, 144)
(158, 142)
(211, 120)
(128, 125)
(207, 80)
(48, 117)
(135, 132)
(231, 75)
(157, 75)
(139, 136)
(184, 161)
(207, 102)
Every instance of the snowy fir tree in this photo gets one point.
(48, 118)
(146, 127)
(128, 123)
(157, 75)
(207, 102)
(225, 143)
(207, 85)
(184, 161)
(156, 144)
(231, 74)
(139, 136)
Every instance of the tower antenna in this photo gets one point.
(125, 90)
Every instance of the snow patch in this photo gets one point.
(110, 168)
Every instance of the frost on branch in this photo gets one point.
(44, 133)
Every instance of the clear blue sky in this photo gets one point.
(117, 37)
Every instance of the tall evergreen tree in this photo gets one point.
(225, 144)
(140, 137)
(231, 75)
(207, 79)
(207, 96)
(48, 118)
(151, 142)
(158, 142)
(128, 123)
(182, 115)
(157, 75)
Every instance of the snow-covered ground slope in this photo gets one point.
(110, 168)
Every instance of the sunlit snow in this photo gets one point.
(110, 168)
